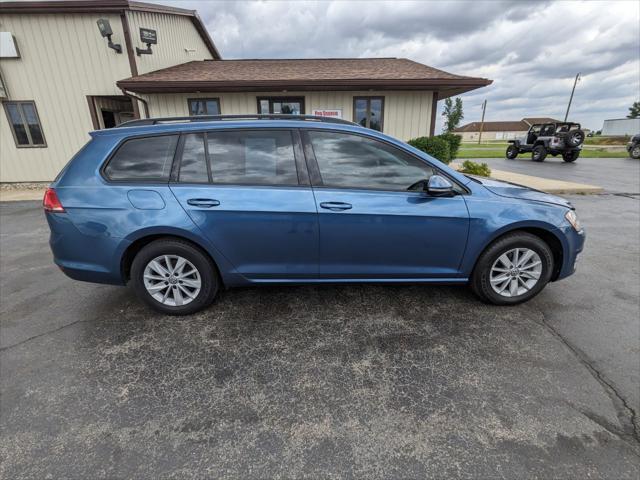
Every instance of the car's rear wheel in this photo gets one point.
(512, 270)
(571, 156)
(538, 153)
(174, 277)
(512, 152)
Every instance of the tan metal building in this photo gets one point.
(69, 67)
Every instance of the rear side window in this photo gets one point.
(241, 157)
(258, 157)
(148, 158)
(193, 167)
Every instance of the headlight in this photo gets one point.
(572, 218)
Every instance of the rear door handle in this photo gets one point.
(203, 202)
(336, 206)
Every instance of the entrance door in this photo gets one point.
(110, 111)
(370, 224)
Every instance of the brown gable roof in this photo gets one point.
(533, 120)
(302, 74)
(517, 126)
(508, 126)
(108, 6)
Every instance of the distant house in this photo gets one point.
(499, 130)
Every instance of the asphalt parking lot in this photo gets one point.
(317, 382)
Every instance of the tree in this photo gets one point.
(634, 110)
(452, 113)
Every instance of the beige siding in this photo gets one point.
(63, 59)
(178, 40)
(407, 114)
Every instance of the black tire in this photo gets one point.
(574, 138)
(512, 152)
(208, 275)
(480, 278)
(571, 156)
(635, 152)
(539, 153)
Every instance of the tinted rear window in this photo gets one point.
(258, 157)
(147, 158)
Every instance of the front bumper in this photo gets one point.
(573, 244)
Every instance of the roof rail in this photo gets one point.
(212, 118)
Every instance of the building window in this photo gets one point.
(285, 105)
(204, 106)
(369, 112)
(25, 124)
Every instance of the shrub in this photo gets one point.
(473, 168)
(454, 143)
(434, 146)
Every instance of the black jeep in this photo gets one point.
(559, 138)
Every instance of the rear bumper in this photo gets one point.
(89, 258)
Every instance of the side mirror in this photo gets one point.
(438, 186)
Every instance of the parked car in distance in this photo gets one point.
(633, 147)
(182, 209)
(542, 139)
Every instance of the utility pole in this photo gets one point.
(571, 97)
(484, 109)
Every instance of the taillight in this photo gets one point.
(51, 202)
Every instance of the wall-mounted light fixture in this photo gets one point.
(105, 30)
(148, 36)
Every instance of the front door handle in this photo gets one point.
(336, 206)
(203, 202)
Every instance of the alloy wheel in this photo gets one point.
(172, 280)
(515, 272)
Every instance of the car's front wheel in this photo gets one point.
(513, 269)
(512, 152)
(174, 277)
(538, 153)
(635, 152)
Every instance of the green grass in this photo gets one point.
(598, 140)
(500, 153)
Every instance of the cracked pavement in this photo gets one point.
(328, 381)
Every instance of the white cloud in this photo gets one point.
(532, 51)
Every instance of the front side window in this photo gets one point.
(369, 112)
(283, 105)
(148, 158)
(255, 157)
(25, 124)
(204, 106)
(354, 161)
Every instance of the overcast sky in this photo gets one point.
(531, 51)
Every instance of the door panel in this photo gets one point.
(390, 234)
(265, 232)
(371, 223)
(250, 202)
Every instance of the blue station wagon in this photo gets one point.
(180, 208)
